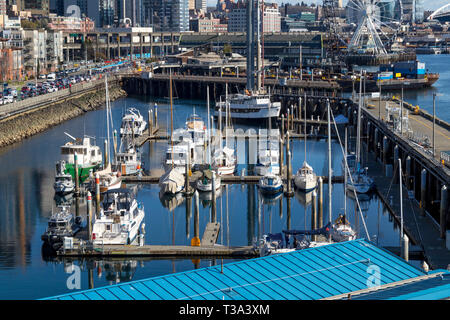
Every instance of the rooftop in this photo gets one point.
(309, 274)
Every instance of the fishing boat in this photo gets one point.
(224, 161)
(204, 183)
(305, 180)
(172, 182)
(270, 184)
(60, 225)
(127, 160)
(63, 181)
(133, 123)
(89, 157)
(119, 220)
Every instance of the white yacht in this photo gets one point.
(249, 106)
(224, 161)
(128, 160)
(177, 156)
(268, 162)
(196, 129)
(120, 219)
(305, 180)
(270, 184)
(133, 123)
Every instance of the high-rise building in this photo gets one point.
(132, 11)
(2, 7)
(37, 7)
(200, 5)
(237, 19)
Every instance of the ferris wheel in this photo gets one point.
(378, 24)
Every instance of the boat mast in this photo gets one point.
(330, 174)
(171, 113)
(107, 119)
(305, 121)
(345, 175)
(208, 135)
(358, 133)
(258, 45)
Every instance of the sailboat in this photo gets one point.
(268, 153)
(305, 180)
(361, 182)
(338, 231)
(224, 158)
(172, 181)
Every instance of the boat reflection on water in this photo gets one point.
(271, 198)
(363, 198)
(206, 197)
(171, 201)
(305, 199)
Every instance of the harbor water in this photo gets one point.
(27, 200)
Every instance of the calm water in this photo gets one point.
(26, 202)
(424, 98)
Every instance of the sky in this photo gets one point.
(428, 4)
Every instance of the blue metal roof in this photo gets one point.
(309, 274)
(437, 286)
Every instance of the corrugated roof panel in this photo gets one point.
(438, 293)
(313, 273)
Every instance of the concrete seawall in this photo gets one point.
(26, 124)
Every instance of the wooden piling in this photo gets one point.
(314, 213)
(423, 191)
(89, 215)
(97, 194)
(443, 211)
(405, 247)
(213, 202)
(77, 176)
(320, 218)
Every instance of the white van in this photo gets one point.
(51, 76)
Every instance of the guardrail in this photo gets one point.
(25, 104)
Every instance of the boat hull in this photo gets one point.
(305, 185)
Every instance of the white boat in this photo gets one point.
(362, 183)
(224, 161)
(252, 105)
(128, 162)
(63, 181)
(268, 152)
(120, 219)
(171, 182)
(177, 156)
(305, 180)
(360, 180)
(204, 183)
(342, 230)
(270, 184)
(196, 129)
(89, 157)
(133, 123)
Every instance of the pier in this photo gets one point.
(425, 175)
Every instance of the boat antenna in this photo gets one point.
(345, 176)
(71, 137)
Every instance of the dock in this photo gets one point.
(425, 176)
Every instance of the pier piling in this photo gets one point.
(423, 190)
(405, 247)
(97, 194)
(314, 213)
(89, 215)
(77, 177)
(443, 211)
(320, 203)
(213, 202)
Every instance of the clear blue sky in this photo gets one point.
(429, 5)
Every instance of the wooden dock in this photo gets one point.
(159, 251)
(225, 179)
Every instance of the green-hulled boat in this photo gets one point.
(89, 157)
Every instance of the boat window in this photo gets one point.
(52, 224)
(108, 227)
(61, 224)
(93, 153)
